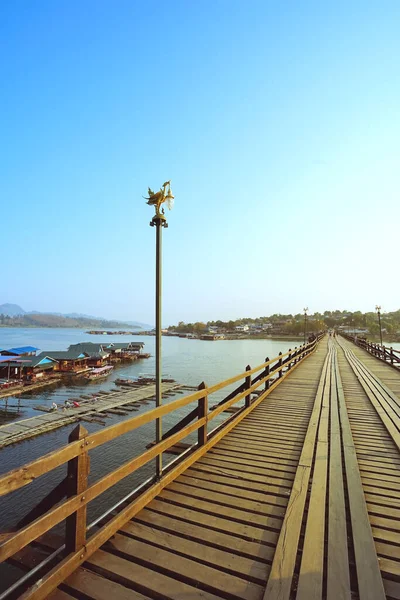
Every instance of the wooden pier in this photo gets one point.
(106, 402)
(295, 497)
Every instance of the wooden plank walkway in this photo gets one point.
(300, 501)
(28, 428)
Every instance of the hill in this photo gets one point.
(43, 320)
(11, 310)
(12, 315)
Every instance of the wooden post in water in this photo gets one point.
(267, 372)
(203, 412)
(77, 482)
(247, 386)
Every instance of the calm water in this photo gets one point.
(187, 361)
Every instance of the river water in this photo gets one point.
(187, 361)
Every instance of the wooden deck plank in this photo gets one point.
(218, 558)
(206, 483)
(338, 574)
(380, 497)
(186, 570)
(281, 576)
(370, 584)
(223, 499)
(312, 562)
(255, 551)
(142, 578)
(217, 522)
(209, 507)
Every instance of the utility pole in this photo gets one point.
(305, 322)
(159, 221)
(378, 310)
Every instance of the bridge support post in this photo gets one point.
(267, 372)
(289, 360)
(202, 412)
(280, 365)
(247, 386)
(77, 482)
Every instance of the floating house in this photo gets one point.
(22, 351)
(29, 368)
(68, 361)
(108, 352)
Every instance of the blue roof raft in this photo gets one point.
(21, 350)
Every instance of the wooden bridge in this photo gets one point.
(295, 496)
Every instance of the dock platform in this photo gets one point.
(24, 429)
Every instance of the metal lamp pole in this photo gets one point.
(159, 221)
(378, 310)
(305, 322)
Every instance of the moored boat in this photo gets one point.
(98, 373)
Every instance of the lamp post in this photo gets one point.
(305, 323)
(378, 310)
(159, 221)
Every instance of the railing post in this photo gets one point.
(77, 482)
(203, 412)
(391, 355)
(295, 355)
(289, 359)
(247, 386)
(267, 372)
(280, 365)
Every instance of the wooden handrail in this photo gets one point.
(76, 454)
(25, 475)
(388, 355)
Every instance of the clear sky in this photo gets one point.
(277, 122)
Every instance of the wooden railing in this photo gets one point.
(78, 546)
(388, 355)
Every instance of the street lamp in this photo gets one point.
(305, 322)
(378, 310)
(159, 221)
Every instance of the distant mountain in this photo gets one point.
(139, 325)
(11, 310)
(37, 318)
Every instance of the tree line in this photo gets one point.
(294, 324)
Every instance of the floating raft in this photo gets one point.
(107, 402)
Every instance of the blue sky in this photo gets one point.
(278, 124)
